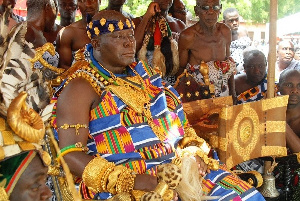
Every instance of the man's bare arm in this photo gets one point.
(77, 93)
(231, 85)
(183, 50)
(64, 47)
(292, 140)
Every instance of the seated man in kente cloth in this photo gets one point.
(252, 85)
(132, 122)
(208, 42)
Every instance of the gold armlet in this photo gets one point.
(76, 126)
(74, 147)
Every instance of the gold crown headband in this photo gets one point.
(103, 26)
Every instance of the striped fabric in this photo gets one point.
(228, 186)
(122, 136)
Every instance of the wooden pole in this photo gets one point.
(272, 49)
(271, 59)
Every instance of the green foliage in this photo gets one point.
(256, 11)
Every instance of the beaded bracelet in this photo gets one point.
(71, 148)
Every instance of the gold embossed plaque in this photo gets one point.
(252, 130)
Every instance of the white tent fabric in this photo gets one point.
(287, 25)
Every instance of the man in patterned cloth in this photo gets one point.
(252, 85)
(208, 42)
(132, 122)
(239, 36)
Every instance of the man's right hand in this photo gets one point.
(153, 8)
(145, 182)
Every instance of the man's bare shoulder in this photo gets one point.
(223, 28)
(189, 32)
(72, 30)
(79, 87)
(240, 78)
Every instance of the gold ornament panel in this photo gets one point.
(249, 129)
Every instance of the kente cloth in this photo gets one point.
(254, 94)
(120, 135)
(12, 168)
(219, 74)
(228, 186)
(236, 51)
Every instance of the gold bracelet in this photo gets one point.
(76, 126)
(113, 178)
(125, 181)
(93, 173)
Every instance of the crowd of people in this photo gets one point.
(119, 122)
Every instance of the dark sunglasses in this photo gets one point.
(206, 8)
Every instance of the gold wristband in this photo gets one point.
(96, 171)
(125, 181)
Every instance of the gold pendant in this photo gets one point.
(135, 98)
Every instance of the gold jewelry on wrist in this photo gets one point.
(113, 178)
(76, 126)
(125, 181)
(94, 171)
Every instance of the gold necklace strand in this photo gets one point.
(137, 98)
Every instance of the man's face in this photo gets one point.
(208, 11)
(291, 87)
(180, 11)
(88, 7)
(164, 4)
(67, 8)
(117, 49)
(31, 185)
(255, 68)
(232, 20)
(285, 52)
